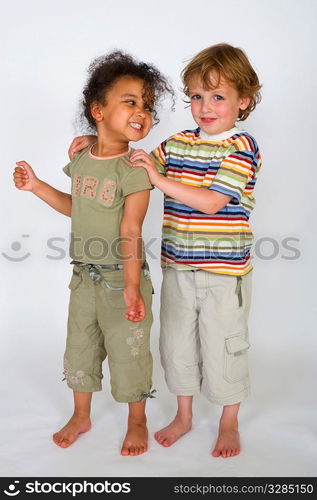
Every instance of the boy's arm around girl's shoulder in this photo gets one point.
(208, 201)
(25, 179)
(204, 200)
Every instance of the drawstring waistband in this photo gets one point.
(96, 276)
(113, 267)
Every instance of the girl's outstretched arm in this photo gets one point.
(135, 208)
(26, 180)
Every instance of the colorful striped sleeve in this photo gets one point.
(159, 156)
(236, 170)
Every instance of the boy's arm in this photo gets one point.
(208, 202)
(204, 200)
(135, 208)
(79, 143)
(26, 180)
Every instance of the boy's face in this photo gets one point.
(215, 110)
(124, 117)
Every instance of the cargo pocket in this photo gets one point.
(236, 360)
(113, 284)
(76, 279)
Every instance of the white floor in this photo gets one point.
(278, 422)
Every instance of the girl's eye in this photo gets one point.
(218, 98)
(195, 97)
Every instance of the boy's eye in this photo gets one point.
(131, 101)
(218, 97)
(196, 97)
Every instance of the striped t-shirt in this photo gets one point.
(227, 163)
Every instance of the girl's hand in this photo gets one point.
(135, 303)
(139, 158)
(79, 143)
(24, 177)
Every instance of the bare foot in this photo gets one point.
(136, 439)
(68, 434)
(228, 442)
(168, 435)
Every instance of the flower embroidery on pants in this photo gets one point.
(135, 341)
(71, 376)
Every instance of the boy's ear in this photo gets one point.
(96, 111)
(244, 102)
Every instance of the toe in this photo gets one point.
(57, 438)
(65, 443)
(124, 451)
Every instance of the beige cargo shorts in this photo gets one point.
(204, 334)
(97, 329)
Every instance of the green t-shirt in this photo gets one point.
(99, 187)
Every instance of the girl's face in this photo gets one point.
(125, 116)
(215, 110)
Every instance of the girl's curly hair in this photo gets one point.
(105, 70)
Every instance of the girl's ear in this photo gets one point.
(244, 102)
(96, 111)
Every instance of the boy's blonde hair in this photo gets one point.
(229, 63)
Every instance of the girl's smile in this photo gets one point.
(124, 116)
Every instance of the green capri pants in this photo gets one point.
(97, 329)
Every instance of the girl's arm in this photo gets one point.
(26, 180)
(204, 200)
(135, 208)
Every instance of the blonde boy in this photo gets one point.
(208, 177)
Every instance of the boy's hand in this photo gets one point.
(24, 177)
(139, 158)
(135, 303)
(79, 143)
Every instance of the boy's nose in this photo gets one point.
(206, 106)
